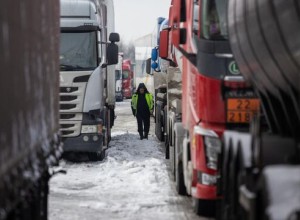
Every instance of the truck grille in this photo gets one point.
(66, 125)
(70, 128)
(67, 106)
(66, 98)
(67, 116)
(67, 132)
(68, 89)
(71, 102)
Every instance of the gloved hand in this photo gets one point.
(133, 112)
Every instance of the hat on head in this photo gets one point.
(141, 85)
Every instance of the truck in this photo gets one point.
(260, 169)
(119, 73)
(87, 76)
(30, 141)
(127, 79)
(211, 96)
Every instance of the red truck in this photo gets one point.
(127, 79)
(215, 97)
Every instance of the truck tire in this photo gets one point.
(41, 203)
(295, 216)
(159, 121)
(34, 206)
(96, 156)
(224, 213)
(162, 130)
(180, 187)
(39, 206)
(233, 185)
(205, 208)
(167, 147)
(165, 134)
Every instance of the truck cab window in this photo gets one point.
(196, 17)
(125, 74)
(78, 51)
(214, 20)
(118, 74)
(99, 39)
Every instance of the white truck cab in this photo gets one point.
(85, 114)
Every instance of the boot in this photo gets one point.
(146, 135)
(141, 136)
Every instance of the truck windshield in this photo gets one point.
(214, 20)
(118, 74)
(125, 74)
(78, 51)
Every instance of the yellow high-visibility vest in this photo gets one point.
(149, 100)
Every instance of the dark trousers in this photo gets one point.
(143, 124)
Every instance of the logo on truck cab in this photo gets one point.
(233, 68)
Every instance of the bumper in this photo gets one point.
(127, 94)
(119, 96)
(77, 144)
(205, 192)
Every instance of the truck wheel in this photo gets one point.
(35, 207)
(223, 212)
(233, 186)
(167, 154)
(205, 208)
(295, 216)
(96, 156)
(180, 187)
(40, 205)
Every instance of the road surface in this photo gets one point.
(133, 181)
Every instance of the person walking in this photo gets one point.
(142, 108)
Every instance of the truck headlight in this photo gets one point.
(89, 129)
(209, 180)
(213, 149)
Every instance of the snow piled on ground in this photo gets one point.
(132, 177)
(131, 183)
(283, 182)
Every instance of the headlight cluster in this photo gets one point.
(85, 129)
(213, 147)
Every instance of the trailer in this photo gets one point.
(260, 169)
(29, 121)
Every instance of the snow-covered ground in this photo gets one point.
(131, 183)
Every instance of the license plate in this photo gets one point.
(241, 110)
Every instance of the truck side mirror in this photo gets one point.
(114, 37)
(112, 54)
(178, 15)
(175, 31)
(164, 44)
(154, 54)
(148, 66)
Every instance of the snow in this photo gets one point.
(131, 183)
(283, 182)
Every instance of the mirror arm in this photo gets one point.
(102, 42)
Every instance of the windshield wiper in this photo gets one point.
(72, 67)
(67, 67)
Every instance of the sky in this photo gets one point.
(137, 18)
